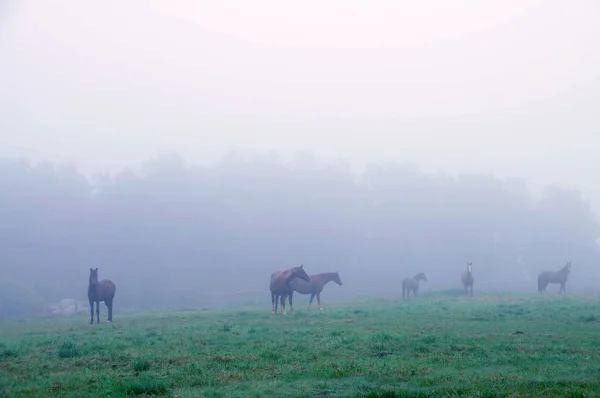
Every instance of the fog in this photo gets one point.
(192, 148)
(173, 234)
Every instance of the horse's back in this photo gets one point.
(302, 286)
(108, 288)
(553, 277)
(277, 282)
(542, 275)
(466, 278)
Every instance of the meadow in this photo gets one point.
(438, 345)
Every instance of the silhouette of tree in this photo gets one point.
(166, 232)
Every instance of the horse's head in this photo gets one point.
(93, 276)
(420, 276)
(470, 267)
(568, 267)
(336, 278)
(298, 272)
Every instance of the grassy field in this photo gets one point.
(436, 345)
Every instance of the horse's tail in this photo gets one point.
(403, 288)
(540, 283)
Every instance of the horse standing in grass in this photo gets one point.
(412, 284)
(100, 291)
(467, 279)
(554, 277)
(280, 286)
(314, 287)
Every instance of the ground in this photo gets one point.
(440, 344)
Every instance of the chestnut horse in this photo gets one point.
(280, 286)
(554, 277)
(412, 284)
(314, 287)
(100, 291)
(467, 279)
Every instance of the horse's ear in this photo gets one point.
(90, 270)
(96, 269)
(302, 266)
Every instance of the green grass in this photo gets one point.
(438, 345)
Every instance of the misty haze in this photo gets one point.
(208, 157)
(193, 235)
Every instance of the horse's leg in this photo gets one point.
(416, 292)
(312, 296)
(283, 298)
(319, 301)
(273, 303)
(109, 304)
(291, 305)
(98, 311)
(91, 312)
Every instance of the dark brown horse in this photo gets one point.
(100, 291)
(280, 286)
(467, 279)
(412, 284)
(554, 277)
(314, 287)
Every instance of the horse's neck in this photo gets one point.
(289, 278)
(324, 279)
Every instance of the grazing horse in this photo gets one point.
(467, 279)
(412, 284)
(280, 286)
(554, 277)
(100, 291)
(314, 287)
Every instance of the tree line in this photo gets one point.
(167, 230)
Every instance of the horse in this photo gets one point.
(280, 286)
(412, 284)
(467, 279)
(100, 291)
(314, 287)
(560, 276)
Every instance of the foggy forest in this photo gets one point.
(169, 233)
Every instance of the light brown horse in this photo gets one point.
(100, 291)
(467, 279)
(554, 277)
(314, 287)
(412, 284)
(280, 286)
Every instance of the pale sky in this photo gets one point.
(510, 88)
